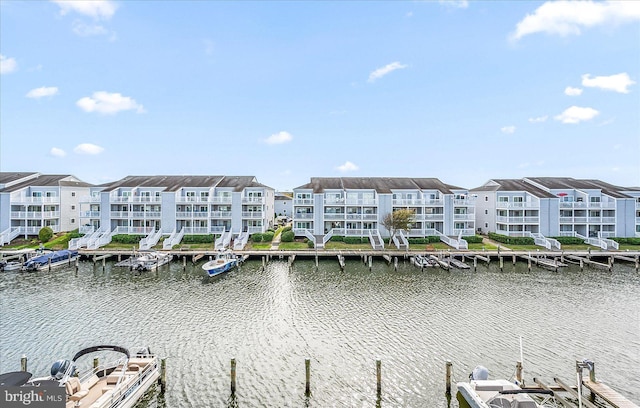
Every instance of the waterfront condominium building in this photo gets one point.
(354, 206)
(543, 207)
(30, 201)
(170, 205)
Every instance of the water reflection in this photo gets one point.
(270, 319)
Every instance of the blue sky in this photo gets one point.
(288, 90)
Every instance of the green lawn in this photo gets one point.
(294, 246)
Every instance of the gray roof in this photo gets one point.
(46, 180)
(9, 177)
(513, 185)
(382, 185)
(555, 183)
(174, 183)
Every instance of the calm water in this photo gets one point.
(271, 320)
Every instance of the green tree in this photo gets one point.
(45, 234)
(401, 219)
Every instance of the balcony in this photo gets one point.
(253, 200)
(89, 199)
(466, 202)
(119, 214)
(361, 201)
(409, 202)
(517, 220)
(303, 201)
(220, 199)
(335, 216)
(34, 200)
(221, 214)
(252, 214)
(134, 199)
(526, 204)
(90, 214)
(190, 199)
(192, 214)
(464, 217)
(303, 216)
(334, 201)
(465, 232)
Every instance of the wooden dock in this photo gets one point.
(545, 262)
(609, 395)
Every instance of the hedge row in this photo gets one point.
(264, 237)
(425, 240)
(287, 236)
(198, 239)
(476, 239)
(511, 240)
(569, 240)
(126, 239)
(628, 241)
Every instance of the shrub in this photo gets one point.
(337, 238)
(287, 228)
(475, 239)
(310, 244)
(569, 240)
(268, 236)
(126, 239)
(511, 240)
(198, 239)
(355, 240)
(45, 234)
(425, 240)
(287, 236)
(627, 241)
(257, 237)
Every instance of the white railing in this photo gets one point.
(197, 230)
(100, 238)
(376, 240)
(252, 214)
(8, 235)
(89, 199)
(221, 200)
(192, 214)
(254, 230)
(303, 216)
(466, 232)
(134, 199)
(221, 214)
(327, 237)
(90, 214)
(150, 240)
(526, 204)
(400, 240)
(447, 240)
(361, 201)
(517, 220)
(303, 201)
(338, 216)
(253, 200)
(418, 202)
(86, 229)
(34, 200)
(190, 199)
(77, 243)
(464, 217)
(173, 239)
(240, 241)
(462, 243)
(466, 202)
(219, 243)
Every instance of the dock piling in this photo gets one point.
(395, 263)
(449, 374)
(307, 374)
(96, 362)
(23, 363)
(163, 375)
(233, 375)
(370, 263)
(49, 264)
(519, 373)
(501, 263)
(378, 378)
(475, 263)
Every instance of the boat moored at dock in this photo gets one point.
(223, 262)
(146, 261)
(50, 260)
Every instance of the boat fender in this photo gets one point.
(479, 373)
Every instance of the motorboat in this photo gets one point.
(118, 383)
(6, 266)
(50, 259)
(146, 261)
(424, 261)
(481, 392)
(223, 262)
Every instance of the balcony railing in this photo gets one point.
(584, 204)
(252, 214)
(36, 230)
(192, 214)
(90, 214)
(464, 217)
(34, 200)
(220, 199)
(518, 220)
(335, 216)
(367, 217)
(525, 204)
(465, 231)
(221, 214)
(89, 199)
(466, 202)
(362, 201)
(303, 201)
(304, 216)
(34, 215)
(188, 199)
(253, 200)
(134, 199)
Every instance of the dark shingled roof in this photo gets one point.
(555, 183)
(514, 185)
(47, 180)
(8, 177)
(382, 185)
(174, 183)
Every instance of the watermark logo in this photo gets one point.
(34, 397)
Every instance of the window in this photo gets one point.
(486, 225)
(73, 220)
(486, 212)
(503, 199)
(486, 198)
(73, 207)
(73, 194)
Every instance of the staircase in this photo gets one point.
(223, 240)
(174, 239)
(376, 240)
(400, 241)
(240, 241)
(77, 243)
(8, 235)
(150, 240)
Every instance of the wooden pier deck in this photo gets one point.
(606, 393)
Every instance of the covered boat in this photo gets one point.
(50, 259)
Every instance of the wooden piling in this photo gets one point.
(513, 259)
(49, 264)
(637, 262)
(370, 262)
(395, 263)
(307, 375)
(104, 263)
(233, 374)
(581, 264)
(96, 362)
(475, 263)
(519, 373)
(162, 380)
(449, 373)
(23, 362)
(501, 263)
(184, 262)
(378, 378)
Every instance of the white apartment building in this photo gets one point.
(352, 206)
(543, 207)
(30, 201)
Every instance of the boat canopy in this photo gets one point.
(100, 348)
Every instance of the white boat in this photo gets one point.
(224, 261)
(50, 259)
(480, 392)
(10, 266)
(146, 261)
(119, 383)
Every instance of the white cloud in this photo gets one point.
(618, 83)
(7, 65)
(508, 130)
(455, 3)
(539, 119)
(42, 92)
(577, 114)
(88, 148)
(572, 91)
(347, 166)
(108, 103)
(97, 9)
(279, 138)
(57, 152)
(569, 17)
(87, 30)
(409, 14)
(380, 72)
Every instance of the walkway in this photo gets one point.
(275, 244)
